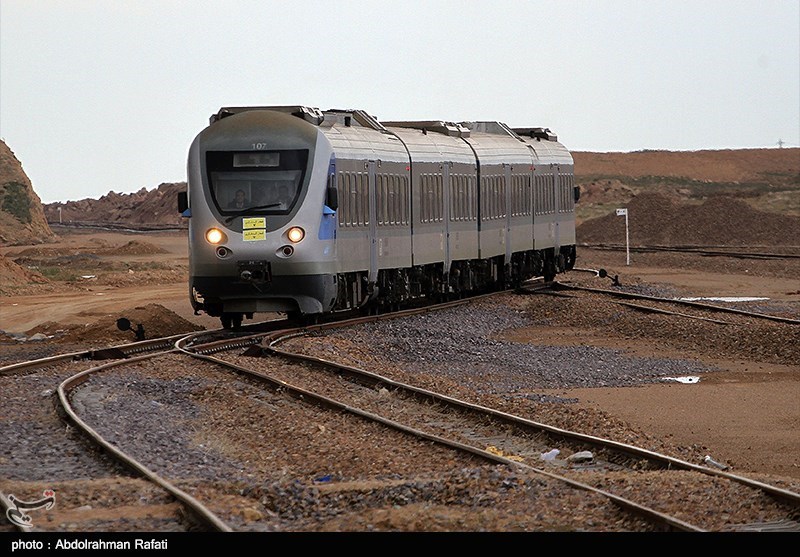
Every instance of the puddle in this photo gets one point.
(687, 379)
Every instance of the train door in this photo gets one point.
(446, 195)
(372, 224)
(507, 193)
(556, 207)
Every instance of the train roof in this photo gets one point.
(541, 140)
(363, 118)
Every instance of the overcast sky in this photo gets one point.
(107, 95)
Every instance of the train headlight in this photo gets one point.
(295, 234)
(215, 236)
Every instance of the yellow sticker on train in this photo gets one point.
(254, 222)
(254, 235)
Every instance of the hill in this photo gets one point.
(22, 219)
(156, 208)
(765, 179)
(722, 190)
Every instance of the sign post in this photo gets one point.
(624, 212)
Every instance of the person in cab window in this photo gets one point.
(239, 201)
(283, 197)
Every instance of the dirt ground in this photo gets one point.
(748, 412)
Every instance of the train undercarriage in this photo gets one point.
(395, 288)
(399, 288)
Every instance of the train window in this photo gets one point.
(490, 194)
(463, 201)
(344, 199)
(344, 196)
(364, 198)
(501, 182)
(529, 192)
(496, 197)
(484, 198)
(548, 190)
(526, 189)
(256, 182)
(387, 219)
(462, 198)
(491, 199)
(516, 197)
(441, 193)
(405, 200)
(472, 210)
(458, 198)
(431, 198)
(244, 160)
(402, 199)
(352, 194)
(424, 203)
(360, 209)
(516, 206)
(397, 182)
(380, 198)
(501, 197)
(395, 199)
(453, 199)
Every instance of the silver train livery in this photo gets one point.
(305, 212)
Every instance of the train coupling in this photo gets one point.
(254, 271)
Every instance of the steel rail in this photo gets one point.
(698, 250)
(195, 506)
(307, 396)
(665, 461)
(631, 295)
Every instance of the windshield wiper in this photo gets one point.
(245, 211)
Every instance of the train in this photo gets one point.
(309, 212)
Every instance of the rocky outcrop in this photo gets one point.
(157, 208)
(22, 219)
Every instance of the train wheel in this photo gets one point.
(549, 271)
(231, 320)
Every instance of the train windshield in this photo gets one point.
(256, 181)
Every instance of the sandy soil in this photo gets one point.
(747, 413)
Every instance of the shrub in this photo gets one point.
(17, 202)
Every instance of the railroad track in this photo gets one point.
(489, 436)
(721, 251)
(563, 286)
(516, 440)
(492, 446)
(87, 490)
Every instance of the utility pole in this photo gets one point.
(780, 143)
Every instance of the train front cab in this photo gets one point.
(258, 261)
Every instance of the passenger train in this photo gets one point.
(305, 212)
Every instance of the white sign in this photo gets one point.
(624, 213)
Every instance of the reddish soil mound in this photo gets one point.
(740, 165)
(135, 247)
(654, 219)
(156, 320)
(12, 274)
(157, 208)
